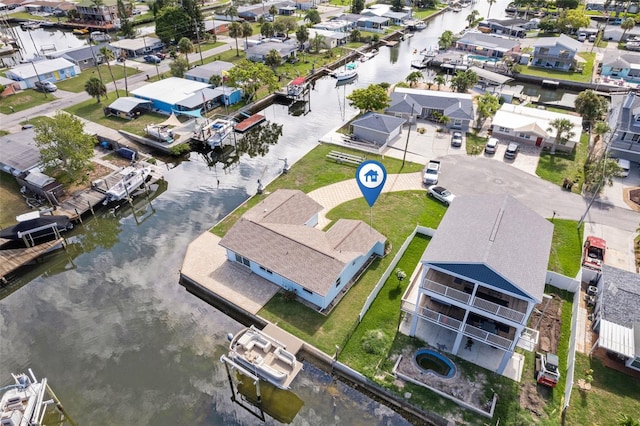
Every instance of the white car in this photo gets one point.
(625, 166)
(441, 194)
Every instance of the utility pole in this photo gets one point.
(39, 79)
(406, 145)
(198, 38)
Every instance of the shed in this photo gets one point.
(128, 107)
(41, 184)
(378, 128)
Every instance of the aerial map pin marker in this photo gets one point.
(371, 176)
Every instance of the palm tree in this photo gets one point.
(247, 31)
(414, 77)
(235, 31)
(439, 80)
(95, 88)
(109, 56)
(273, 59)
(626, 25)
(491, 2)
(273, 10)
(471, 18)
(185, 46)
(318, 42)
(564, 131)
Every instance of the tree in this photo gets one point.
(491, 2)
(567, 4)
(414, 77)
(279, 27)
(109, 56)
(591, 106)
(64, 146)
(178, 67)
(126, 26)
(357, 6)
(446, 40)
(196, 24)
(472, 17)
(267, 30)
(95, 88)
(564, 131)
(273, 59)
(318, 42)
(597, 174)
(313, 16)
(463, 80)
(400, 275)
(488, 105)
(251, 76)
(440, 80)
(273, 10)
(235, 31)
(171, 22)
(185, 47)
(397, 5)
(373, 98)
(231, 12)
(302, 35)
(626, 25)
(215, 80)
(247, 31)
(548, 25)
(355, 35)
(572, 19)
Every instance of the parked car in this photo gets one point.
(625, 166)
(456, 139)
(152, 59)
(161, 55)
(441, 194)
(45, 86)
(592, 38)
(136, 12)
(512, 151)
(491, 146)
(582, 36)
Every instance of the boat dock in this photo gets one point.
(248, 123)
(12, 259)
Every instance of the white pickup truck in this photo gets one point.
(431, 173)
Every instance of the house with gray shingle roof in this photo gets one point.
(204, 72)
(378, 128)
(278, 241)
(481, 275)
(617, 316)
(258, 52)
(488, 45)
(84, 56)
(618, 64)
(431, 104)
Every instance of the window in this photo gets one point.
(635, 137)
(307, 291)
(524, 136)
(242, 260)
(504, 130)
(338, 282)
(266, 270)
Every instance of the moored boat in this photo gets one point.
(81, 31)
(100, 36)
(131, 179)
(38, 229)
(23, 402)
(349, 71)
(256, 353)
(217, 131)
(159, 132)
(30, 25)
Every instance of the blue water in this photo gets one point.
(429, 360)
(482, 58)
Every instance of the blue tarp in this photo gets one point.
(192, 113)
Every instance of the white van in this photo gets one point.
(625, 165)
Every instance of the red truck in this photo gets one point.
(594, 251)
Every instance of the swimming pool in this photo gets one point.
(432, 361)
(482, 58)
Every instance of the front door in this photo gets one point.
(539, 141)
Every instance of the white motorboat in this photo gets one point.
(217, 131)
(419, 26)
(23, 403)
(349, 71)
(368, 55)
(131, 179)
(255, 353)
(159, 132)
(100, 36)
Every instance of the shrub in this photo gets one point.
(375, 342)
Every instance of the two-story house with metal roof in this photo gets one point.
(558, 53)
(481, 275)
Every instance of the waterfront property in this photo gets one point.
(377, 128)
(46, 70)
(176, 94)
(258, 52)
(136, 47)
(18, 152)
(277, 240)
(616, 319)
(622, 65)
(488, 45)
(557, 53)
(433, 105)
(104, 13)
(203, 73)
(480, 278)
(533, 126)
(331, 38)
(625, 117)
(512, 27)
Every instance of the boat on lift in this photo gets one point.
(217, 131)
(161, 133)
(349, 72)
(132, 178)
(100, 36)
(37, 228)
(22, 403)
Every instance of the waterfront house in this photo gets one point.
(84, 56)
(204, 72)
(509, 27)
(625, 118)
(258, 52)
(532, 126)
(616, 319)
(372, 23)
(433, 105)
(331, 38)
(480, 277)
(136, 47)
(171, 94)
(619, 64)
(487, 45)
(46, 70)
(104, 13)
(342, 24)
(557, 53)
(377, 128)
(277, 240)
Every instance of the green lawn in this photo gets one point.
(475, 144)
(583, 77)
(612, 394)
(555, 168)
(566, 247)
(24, 100)
(92, 111)
(76, 84)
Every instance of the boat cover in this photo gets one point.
(62, 223)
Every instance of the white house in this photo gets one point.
(277, 240)
(46, 70)
(533, 126)
(481, 275)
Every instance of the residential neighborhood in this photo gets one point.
(384, 213)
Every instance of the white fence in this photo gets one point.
(374, 293)
(562, 282)
(571, 356)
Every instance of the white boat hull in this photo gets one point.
(132, 179)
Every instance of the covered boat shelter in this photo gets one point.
(128, 107)
(489, 77)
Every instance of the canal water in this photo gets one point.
(43, 41)
(121, 342)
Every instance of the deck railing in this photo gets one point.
(485, 336)
(449, 292)
(498, 310)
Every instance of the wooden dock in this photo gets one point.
(12, 259)
(248, 123)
